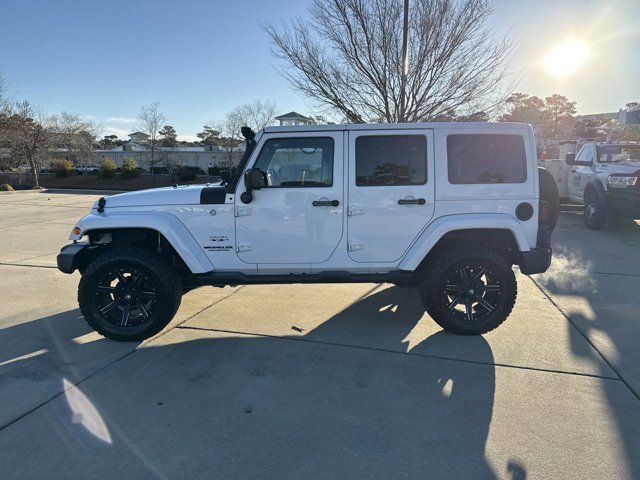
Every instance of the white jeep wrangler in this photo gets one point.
(605, 177)
(449, 207)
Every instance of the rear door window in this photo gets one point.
(486, 158)
(391, 160)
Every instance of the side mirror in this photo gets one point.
(254, 179)
(570, 159)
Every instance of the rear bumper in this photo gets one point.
(535, 261)
(70, 256)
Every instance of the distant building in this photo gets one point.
(139, 137)
(201, 157)
(629, 117)
(294, 118)
(138, 148)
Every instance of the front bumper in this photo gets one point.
(71, 256)
(537, 260)
(624, 200)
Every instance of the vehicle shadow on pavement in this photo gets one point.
(205, 403)
(596, 280)
(35, 357)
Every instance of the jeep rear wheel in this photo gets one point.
(469, 290)
(129, 294)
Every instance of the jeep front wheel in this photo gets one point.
(469, 290)
(129, 294)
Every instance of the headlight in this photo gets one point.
(617, 181)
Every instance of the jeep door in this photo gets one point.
(391, 191)
(297, 218)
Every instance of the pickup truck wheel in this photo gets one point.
(469, 290)
(594, 208)
(129, 294)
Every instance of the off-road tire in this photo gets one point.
(595, 207)
(549, 194)
(156, 271)
(437, 296)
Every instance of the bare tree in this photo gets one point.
(230, 135)
(350, 58)
(6, 110)
(76, 136)
(151, 122)
(30, 137)
(5, 100)
(256, 115)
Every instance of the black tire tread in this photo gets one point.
(135, 254)
(549, 193)
(597, 191)
(438, 267)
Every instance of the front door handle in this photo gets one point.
(325, 203)
(412, 201)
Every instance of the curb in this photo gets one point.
(35, 190)
(80, 191)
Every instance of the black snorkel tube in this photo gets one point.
(249, 136)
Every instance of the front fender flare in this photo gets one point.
(176, 233)
(443, 225)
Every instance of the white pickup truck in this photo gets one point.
(603, 176)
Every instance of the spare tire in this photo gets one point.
(549, 194)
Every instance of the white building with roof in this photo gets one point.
(192, 156)
(294, 118)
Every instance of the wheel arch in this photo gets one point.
(499, 231)
(169, 232)
(595, 184)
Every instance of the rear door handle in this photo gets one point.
(412, 201)
(325, 203)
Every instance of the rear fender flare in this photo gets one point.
(443, 225)
(175, 232)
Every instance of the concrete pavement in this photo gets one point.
(326, 381)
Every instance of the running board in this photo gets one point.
(220, 279)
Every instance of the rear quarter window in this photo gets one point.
(486, 158)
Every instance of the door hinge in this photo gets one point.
(355, 210)
(244, 247)
(351, 246)
(243, 211)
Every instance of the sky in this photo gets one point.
(104, 59)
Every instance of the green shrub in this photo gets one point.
(129, 168)
(5, 187)
(187, 174)
(221, 172)
(107, 168)
(62, 168)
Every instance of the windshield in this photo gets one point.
(618, 153)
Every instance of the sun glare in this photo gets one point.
(566, 57)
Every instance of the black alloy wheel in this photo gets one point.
(126, 297)
(472, 292)
(129, 294)
(468, 289)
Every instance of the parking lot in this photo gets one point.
(320, 381)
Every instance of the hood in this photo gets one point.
(627, 166)
(180, 195)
